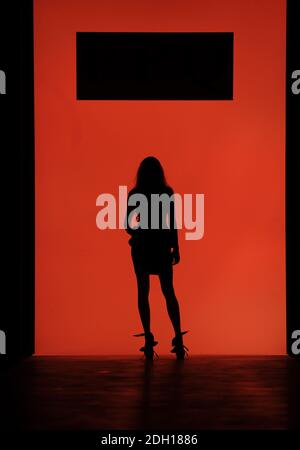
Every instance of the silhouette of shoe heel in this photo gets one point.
(179, 348)
(147, 349)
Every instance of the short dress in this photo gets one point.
(151, 250)
(151, 254)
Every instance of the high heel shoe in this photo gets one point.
(179, 349)
(149, 344)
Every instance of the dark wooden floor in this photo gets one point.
(128, 393)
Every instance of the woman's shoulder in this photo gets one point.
(169, 190)
(132, 192)
(166, 190)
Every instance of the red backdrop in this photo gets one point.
(230, 284)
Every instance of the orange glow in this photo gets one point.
(230, 284)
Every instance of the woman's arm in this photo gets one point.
(127, 222)
(174, 234)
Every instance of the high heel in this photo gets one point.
(148, 350)
(179, 348)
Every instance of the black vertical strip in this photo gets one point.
(17, 179)
(292, 176)
(10, 305)
(27, 191)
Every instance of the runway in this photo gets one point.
(202, 392)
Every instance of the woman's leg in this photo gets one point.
(143, 284)
(166, 283)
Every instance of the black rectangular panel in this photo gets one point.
(293, 178)
(154, 66)
(17, 204)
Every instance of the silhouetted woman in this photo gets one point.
(154, 251)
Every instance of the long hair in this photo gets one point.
(150, 176)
